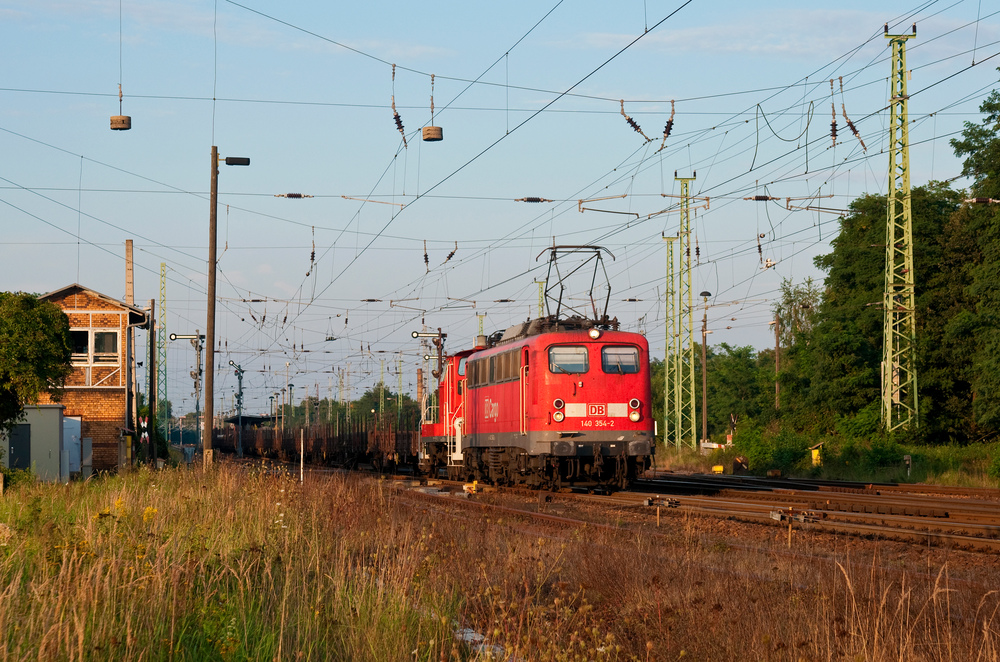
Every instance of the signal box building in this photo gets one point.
(97, 390)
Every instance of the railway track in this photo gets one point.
(959, 517)
(962, 518)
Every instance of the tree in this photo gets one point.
(35, 353)
(980, 144)
(796, 311)
(833, 369)
(737, 386)
(368, 405)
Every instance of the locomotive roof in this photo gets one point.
(542, 325)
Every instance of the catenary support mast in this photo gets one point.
(684, 377)
(671, 357)
(899, 375)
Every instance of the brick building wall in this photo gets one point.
(96, 390)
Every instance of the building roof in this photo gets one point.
(137, 316)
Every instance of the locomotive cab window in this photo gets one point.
(620, 360)
(568, 360)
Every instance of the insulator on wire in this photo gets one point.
(668, 127)
(850, 125)
(532, 199)
(427, 260)
(452, 254)
(632, 123)
(399, 122)
(761, 198)
(833, 123)
(395, 115)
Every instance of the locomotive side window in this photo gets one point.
(474, 371)
(495, 369)
(568, 360)
(461, 366)
(620, 360)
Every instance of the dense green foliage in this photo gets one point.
(35, 353)
(830, 337)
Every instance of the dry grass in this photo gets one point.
(234, 565)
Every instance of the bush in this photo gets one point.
(866, 424)
(882, 453)
(993, 470)
(784, 450)
(16, 477)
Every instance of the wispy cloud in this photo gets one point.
(802, 34)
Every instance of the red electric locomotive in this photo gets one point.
(548, 403)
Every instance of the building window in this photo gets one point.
(93, 346)
(81, 345)
(105, 347)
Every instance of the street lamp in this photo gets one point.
(239, 408)
(704, 371)
(210, 325)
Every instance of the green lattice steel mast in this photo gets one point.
(899, 372)
(161, 353)
(671, 405)
(687, 424)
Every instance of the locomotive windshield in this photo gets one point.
(620, 360)
(568, 360)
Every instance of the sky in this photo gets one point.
(535, 100)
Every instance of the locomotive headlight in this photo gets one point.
(634, 416)
(558, 403)
(634, 403)
(594, 333)
(558, 416)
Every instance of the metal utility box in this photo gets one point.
(36, 443)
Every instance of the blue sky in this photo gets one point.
(529, 99)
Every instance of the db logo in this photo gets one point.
(491, 410)
(597, 410)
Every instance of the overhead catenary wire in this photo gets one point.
(735, 185)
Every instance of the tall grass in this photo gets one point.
(228, 565)
(237, 565)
